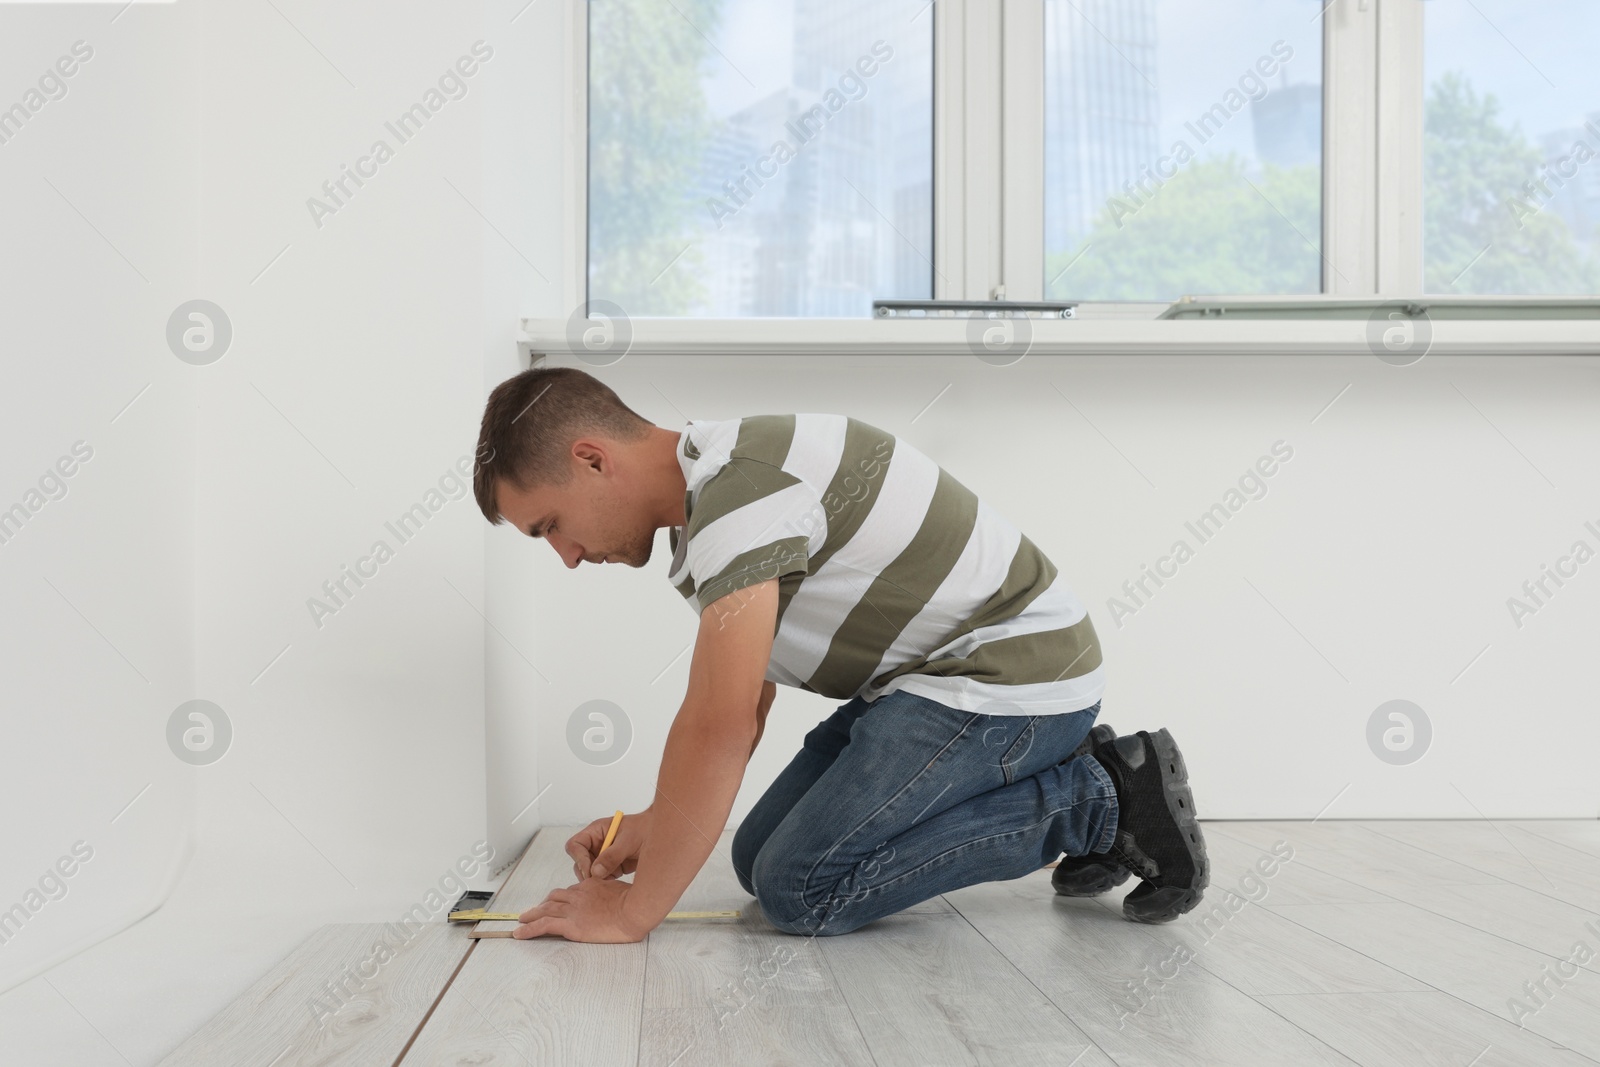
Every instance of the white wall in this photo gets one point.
(1376, 567)
(98, 212)
(219, 503)
(352, 391)
(522, 122)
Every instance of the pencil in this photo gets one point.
(616, 821)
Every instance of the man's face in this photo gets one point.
(591, 519)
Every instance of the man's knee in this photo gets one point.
(780, 891)
(739, 873)
(780, 911)
(744, 856)
(816, 921)
(785, 925)
(771, 882)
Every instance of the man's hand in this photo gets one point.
(592, 911)
(623, 855)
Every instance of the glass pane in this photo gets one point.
(760, 157)
(1511, 186)
(1183, 148)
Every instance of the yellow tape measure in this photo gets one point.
(478, 915)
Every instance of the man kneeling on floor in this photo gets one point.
(821, 552)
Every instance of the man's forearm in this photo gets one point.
(701, 768)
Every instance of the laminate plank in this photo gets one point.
(1294, 882)
(1357, 853)
(930, 990)
(1510, 910)
(1521, 915)
(1507, 853)
(1302, 833)
(1126, 985)
(1430, 1029)
(1480, 968)
(544, 1001)
(1259, 952)
(1581, 834)
(292, 1017)
(922, 987)
(741, 991)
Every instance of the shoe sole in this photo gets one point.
(1089, 880)
(1149, 903)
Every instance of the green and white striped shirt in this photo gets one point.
(892, 574)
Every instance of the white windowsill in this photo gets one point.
(811, 336)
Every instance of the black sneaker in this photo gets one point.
(1098, 872)
(1158, 836)
(1098, 735)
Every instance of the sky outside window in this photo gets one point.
(760, 157)
(1511, 155)
(1173, 164)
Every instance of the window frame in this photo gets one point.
(988, 196)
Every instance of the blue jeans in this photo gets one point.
(891, 803)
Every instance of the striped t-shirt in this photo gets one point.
(892, 574)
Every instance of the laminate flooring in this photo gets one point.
(1415, 943)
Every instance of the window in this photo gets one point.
(1511, 151)
(1183, 148)
(750, 159)
(760, 157)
